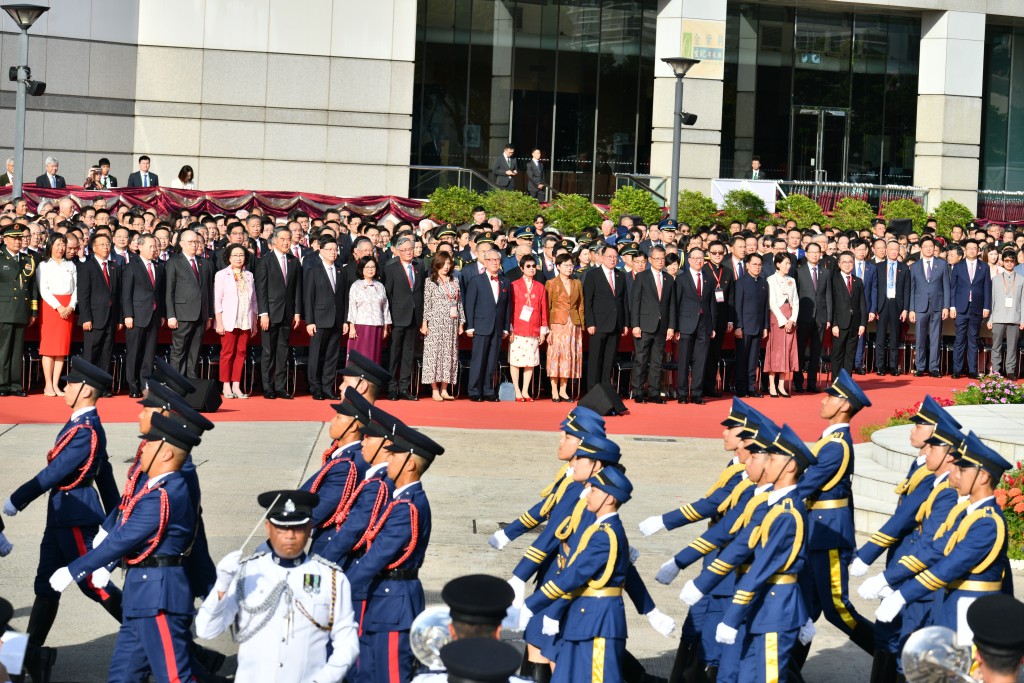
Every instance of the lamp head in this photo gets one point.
(24, 15)
(680, 65)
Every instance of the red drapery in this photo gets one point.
(164, 200)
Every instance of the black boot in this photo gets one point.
(712, 673)
(632, 670)
(40, 620)
(542, 673)
(39, 663)
(799, 655)
(685, 656)
(210, 660)
(863, 636)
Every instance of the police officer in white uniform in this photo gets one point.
(285, 606)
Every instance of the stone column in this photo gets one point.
(689, 28)
(949, 105)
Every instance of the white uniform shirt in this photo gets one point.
(289, 648)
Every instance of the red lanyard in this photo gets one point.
(450, 293)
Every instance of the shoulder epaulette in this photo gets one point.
(324, 561)
(257, 554)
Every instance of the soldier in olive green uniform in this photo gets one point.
(18, 309)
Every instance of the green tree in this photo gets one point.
(632, 201)
(511, 206)
(851, 213)
(570, 213)
(452, 204)
(905, 208)
(743, 206)
(950, 213)
(696, 209)
(801, 209)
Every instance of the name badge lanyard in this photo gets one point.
(452, 295)
(1008, 293)
(719, 293)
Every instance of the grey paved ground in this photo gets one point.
(485, 477)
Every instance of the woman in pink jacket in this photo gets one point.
(234, 303)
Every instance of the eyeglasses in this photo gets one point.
(530, 266)
(718, 253)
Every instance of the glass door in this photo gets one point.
(820, 145)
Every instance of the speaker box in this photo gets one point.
(207, 397)
(604, 400)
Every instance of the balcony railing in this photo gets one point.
(828, 194)
(425, 179)
(655, 186)
(1001, 205)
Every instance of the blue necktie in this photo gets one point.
(892, 268)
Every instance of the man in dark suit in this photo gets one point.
(403, 283)
(604, 313)
(650, 316)
(325, 306)
(722, 279)
(535, 180)
(278, 279)
(50, 178)
(864, 269)
(143, 308)
(488, 321)
(929, 306)
(142, 177)
(694, 318)
(751, 325)
(505, 170)
(813, 286)
(99, 302)
(106, 180)
(847, 314)
(756, 172)
(893, 302)
(189, 298)
(970, 291)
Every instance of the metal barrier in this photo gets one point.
(656, 186)
(425, 179)
(828, 194)
(1000, 205)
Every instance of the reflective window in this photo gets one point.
(1003, 110)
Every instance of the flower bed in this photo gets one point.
(1011, 500)
(900, 417)
(991, 390)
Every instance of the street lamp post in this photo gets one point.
(680, 65)
(24, 16)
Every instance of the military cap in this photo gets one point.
(525, 232)
(930, 412)
(7, 611)
(621, 232)
(354, 405)
(85, 372)
(408, 440)
(289, 508)
(597, 245)
(738, 413)
(583, 419)
(485, 237)
(973, 225)
(997, 621)
(480, 660)
(160, 396)
(973, 453)
(761, 433)
(789, 443)
(170, 430)
(361, 366)
(445, 230)
(667, 223)
(628, 248)
(590, 232)
(382, 424)
(599, 448)
(165, 373)
(14, 230)
(613, 482)
(669, 228)
(478, 599)
(946, 433)
(567, 243)
(845, 387)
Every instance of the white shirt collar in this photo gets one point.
(604, 517)
(777, 495)
(694, 273)
(735, 460)
(939, 479)
(974, 506)
(372, 472)
(328, 266)
(762, 488)
(835, 427)
(99, 260)
(398, 491)
(82, 411)
(606, 271)
(919, 460)
(341, 449)
(152, 482)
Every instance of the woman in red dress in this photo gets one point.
(58, 294)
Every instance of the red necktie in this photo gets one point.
(106, 275)
(849, 285)
(494, 277)
(149, 269)
(195, 268)
(295, 250)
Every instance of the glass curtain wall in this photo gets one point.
(820, 96)
(1003, 110)
(573, 78)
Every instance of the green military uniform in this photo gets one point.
(17, 309)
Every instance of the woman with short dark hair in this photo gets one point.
(369, 315)
(234, 306)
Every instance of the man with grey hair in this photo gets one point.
(279, 302)
(189, 302)
(8, 178)
(50, 178)
(403, 283)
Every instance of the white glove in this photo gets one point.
(661, 622)
(690, 594)
(652, 525)
(498, 540)
(890, 607)
(549, 627)
(101, 577)
(100, 536)
(807, 632)
(5, 546)
(634, 555)
(524, 618)
(668, 573)
(226, 570)
(858, 568)
(519, 588)
(61, 579)
(726, 635)
(886, 592)
(9, 508)
(872, 587)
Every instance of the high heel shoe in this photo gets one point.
(772, 393)
(438, 397)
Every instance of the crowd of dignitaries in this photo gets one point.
(679, 299)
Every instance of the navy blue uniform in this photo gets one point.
(156, 528)
(549, 497)
(77, 467)
(346, 541)
(340, 472)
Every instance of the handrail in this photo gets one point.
(828, 193)
(1001, 205)
(638, 180)
(458, 170)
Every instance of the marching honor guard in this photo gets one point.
(365, 376)
(155, 533)
(80, 487)
(290, 613)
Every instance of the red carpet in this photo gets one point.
(887, 394)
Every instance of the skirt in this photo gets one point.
(367, 342)
(781, 355)
(524, 352)
(565, 351)
(54, 331)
